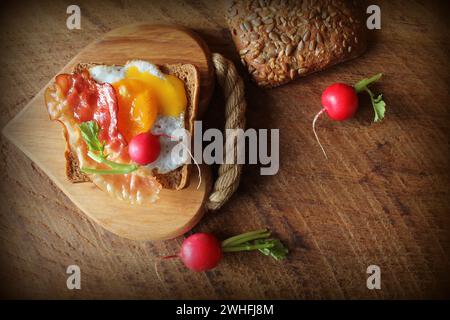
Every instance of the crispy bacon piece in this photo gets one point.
(90, 100)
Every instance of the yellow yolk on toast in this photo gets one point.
(143, 96)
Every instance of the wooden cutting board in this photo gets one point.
(42, 141)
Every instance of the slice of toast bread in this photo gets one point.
(178, 178)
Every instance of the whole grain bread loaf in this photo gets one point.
(178, 178)
(279, 41)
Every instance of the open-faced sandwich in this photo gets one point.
(121, 124)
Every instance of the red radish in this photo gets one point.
(340, 101)
(201, 251)
(144, 148)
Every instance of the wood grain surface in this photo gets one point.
(176, 211)
(382, 198)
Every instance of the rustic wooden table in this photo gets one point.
(382, 198)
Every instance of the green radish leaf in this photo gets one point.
(379, 106)
(364, 83)
(256, 240)
(277, 251)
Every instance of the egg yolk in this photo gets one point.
(169, 91)
(142, 96)
(138, 107)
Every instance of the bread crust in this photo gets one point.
(178, 178)
(282, 41)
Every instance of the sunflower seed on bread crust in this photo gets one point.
(305, 35)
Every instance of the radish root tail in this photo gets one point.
(315, 133)
(158, 260)
(156, 271)
(196, 164)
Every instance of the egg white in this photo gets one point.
(107, 74)
(110, 74)
(170, 136)
(166, 125)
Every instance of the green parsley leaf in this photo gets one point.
(130, 168)
(89, 132)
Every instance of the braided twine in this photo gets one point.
(233, 90)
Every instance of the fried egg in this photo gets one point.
(148, 100)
